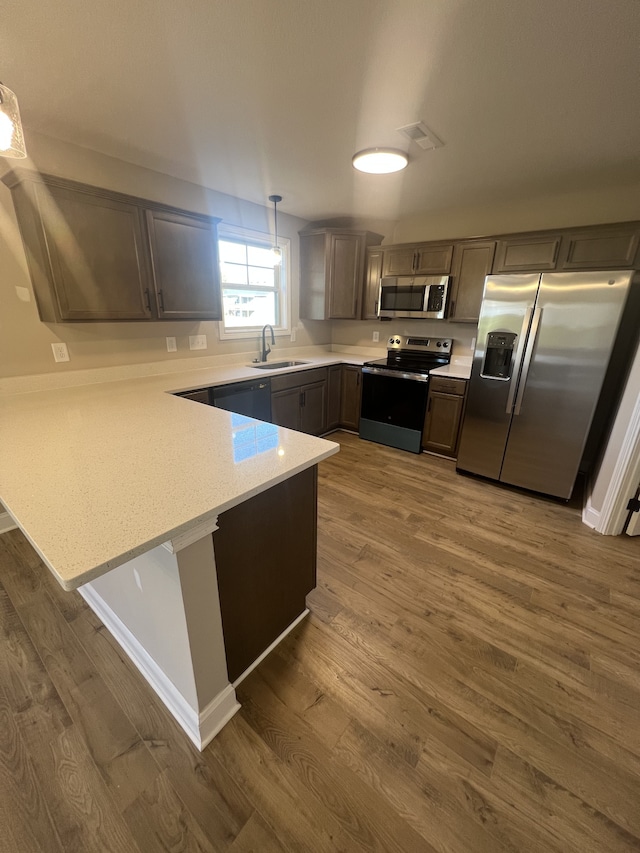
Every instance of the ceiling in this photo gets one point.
(252, 97)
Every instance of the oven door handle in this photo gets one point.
(396, 374)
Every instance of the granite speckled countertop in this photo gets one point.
(459, 368)
(96, 474)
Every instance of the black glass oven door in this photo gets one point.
(395, 401)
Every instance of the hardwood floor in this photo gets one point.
(468, 680)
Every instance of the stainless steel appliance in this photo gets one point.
(252, 399)
(394, 390)
(543, 347)
(417, 296)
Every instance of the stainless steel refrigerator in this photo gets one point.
(543, 347)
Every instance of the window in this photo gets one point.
(254, 290)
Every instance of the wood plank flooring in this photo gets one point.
(468, 682)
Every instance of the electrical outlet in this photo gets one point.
(197, 341)
(60, 352)
(293, 336)
(171, 345)
(376, 337)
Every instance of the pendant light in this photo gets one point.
(380, 161)
(11, 136)
(277, 254)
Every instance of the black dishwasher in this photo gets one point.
(252, 399)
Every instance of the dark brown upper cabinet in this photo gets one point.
(373, 274)
(527, 252)
(184, 255)
(472, 262)
(600, 248)
(86, 254)
(332, 264)
(97, 255)
(418, 259)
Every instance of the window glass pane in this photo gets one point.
(233, 273)
(235, 253)
(260, 256)
(244, 308)
(259, 276)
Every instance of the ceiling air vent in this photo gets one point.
(421, 135)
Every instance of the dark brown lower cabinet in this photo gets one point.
(285, 408)
(445, 404)
(334, 388)
(266, 563)
(313, 408)
(351, 395)
(299, 400)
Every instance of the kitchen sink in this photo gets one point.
(276, 365)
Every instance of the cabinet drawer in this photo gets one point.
(448, 386)
(298, 379)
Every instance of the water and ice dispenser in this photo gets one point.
(498, 356)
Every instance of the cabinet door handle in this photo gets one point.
(452, 308)
(428, 405)
(303, 398)
(358, 375)
(161, 300)
(147, 299)
(375, 307)
(415, 262)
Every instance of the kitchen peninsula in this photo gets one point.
(119, 487)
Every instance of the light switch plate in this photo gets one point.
(60, 352)
(171, 345)
(197, 341)
(376, 337)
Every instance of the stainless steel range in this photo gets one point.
(394, 390)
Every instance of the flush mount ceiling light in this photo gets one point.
(11, 137)
(276, 251)
(380, 161)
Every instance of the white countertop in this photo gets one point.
(459, 368)
(97, 474)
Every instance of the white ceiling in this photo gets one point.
(252, 97)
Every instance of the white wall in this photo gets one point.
(530, 212)
(601, 482)
(146, 595)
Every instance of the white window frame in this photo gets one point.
(235, 232)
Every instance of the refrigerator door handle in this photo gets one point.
(533, 334)
(518, 358)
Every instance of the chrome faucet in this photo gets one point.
(266, 349)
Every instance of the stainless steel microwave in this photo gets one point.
(420, 296)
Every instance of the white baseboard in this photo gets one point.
(6, 523)
(217, 714)
(270, 648)
(201, 727)
(590, 516)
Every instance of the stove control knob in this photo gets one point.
(392, 341)
(438, 344)
(445, 344)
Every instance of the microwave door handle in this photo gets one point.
(517, 360)
(531, 342)
(425, 303)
